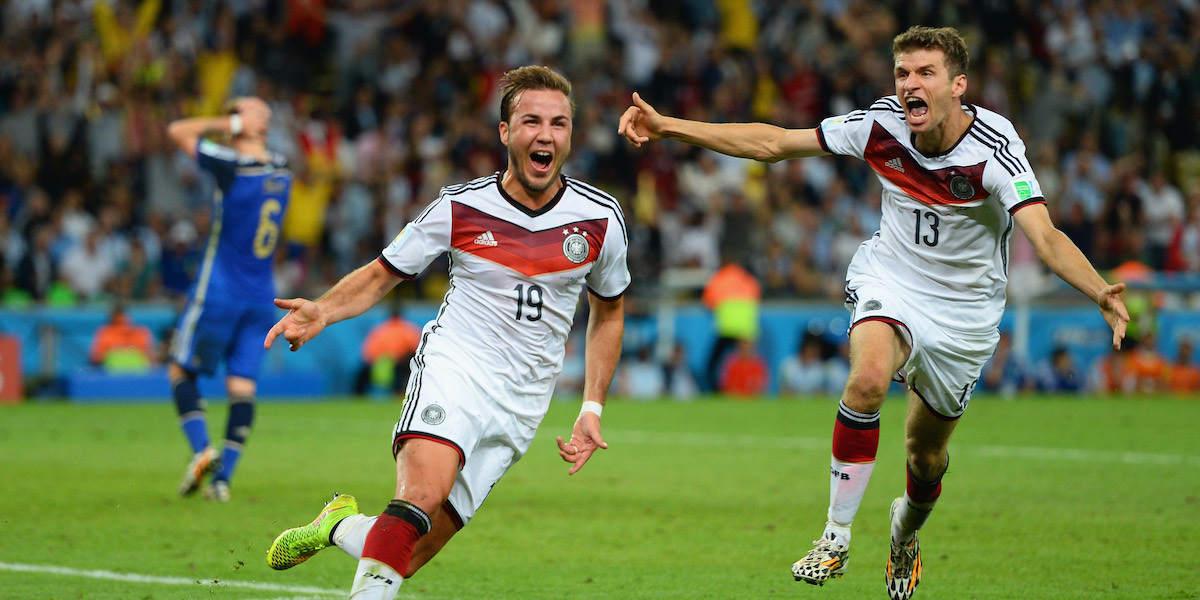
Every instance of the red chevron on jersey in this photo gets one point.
(530, 253)
(949, 185)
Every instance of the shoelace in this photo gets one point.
(824, 545)
(903, 558)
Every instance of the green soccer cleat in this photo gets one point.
(297, 544)
(204, 462)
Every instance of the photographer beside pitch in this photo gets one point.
(927, 291)
(523, 244)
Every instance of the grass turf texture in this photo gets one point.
(1053, 498)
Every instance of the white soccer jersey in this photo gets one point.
(515, 277)
(947, 219)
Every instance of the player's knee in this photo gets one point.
(866, 389)
(926, 465)
(240, 387)
(175, 373)
(426, 498)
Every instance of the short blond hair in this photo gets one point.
(946, 39)
(530, 78)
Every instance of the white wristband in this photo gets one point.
(591, 406)
(235, 124)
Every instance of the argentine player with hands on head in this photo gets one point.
(230, 303)
(523, 244)
(927, 291)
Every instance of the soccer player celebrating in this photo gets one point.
(927, 291)
(230, 303)
(523, 243)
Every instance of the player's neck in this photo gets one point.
(251, 147)
(530, 199)
(942, 138)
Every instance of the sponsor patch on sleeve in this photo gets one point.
(1023, 189)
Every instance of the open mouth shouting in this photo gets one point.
(542, 161)
(916, 109)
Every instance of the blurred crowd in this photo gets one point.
(380, 103)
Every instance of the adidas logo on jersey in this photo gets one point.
(895, 164)
(486, 239)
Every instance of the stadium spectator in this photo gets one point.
(1006, 372)
(160, 60)
(1058, 373)
(122, 346)
(138, 276)
(1183, 374)
(733, 295)
(88, 268)
(1183, 254)
(1162, 212)
(1147, 365)
(37, 270)
(804, 372)
(1128, 101)
(487, 365)
(1111, 373)
(229, 305)
(743, 372)
(641, 377)
(817, 367)
(677, 375)
(961, 170)
(386, 353)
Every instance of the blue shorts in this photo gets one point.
(214, 330)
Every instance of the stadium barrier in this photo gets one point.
(54, 344)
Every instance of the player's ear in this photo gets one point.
(959, 85)
(504, 132)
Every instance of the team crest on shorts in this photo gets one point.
(575, 247)
(961, 187)
(433, 414)
(873, 305)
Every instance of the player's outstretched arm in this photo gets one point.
(348, 298)
(606, 326)
(1063, 257)
(758, 141)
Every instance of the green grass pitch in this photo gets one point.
(1047, 498)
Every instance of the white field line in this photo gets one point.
(767, 442)
(311, 593)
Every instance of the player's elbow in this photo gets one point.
(175, 131)
(768, 151)
(178, 133)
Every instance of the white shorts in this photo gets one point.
(448, 403)
(944, 364)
